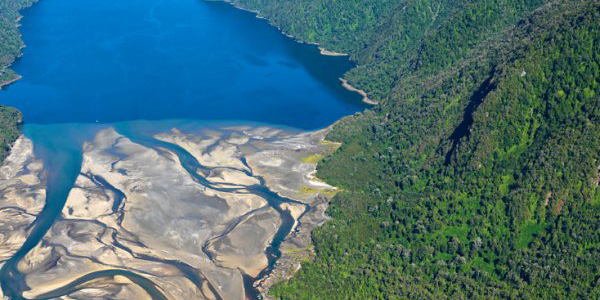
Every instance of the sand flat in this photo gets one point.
(136, 207)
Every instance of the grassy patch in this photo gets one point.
(527, 233)
(329, 193)
(313, 159)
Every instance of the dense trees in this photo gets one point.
(10, 118)
(477, 175)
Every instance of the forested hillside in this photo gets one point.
(10, 46)
(477, 176)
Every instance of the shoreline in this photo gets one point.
(17, 55)
(364, 94)
(326, 52)
(9, 82)
(322, 50)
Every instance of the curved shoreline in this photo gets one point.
(322, 50)
(330, 53)
(364, 94)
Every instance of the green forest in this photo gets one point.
(477, 176)
(10, 46)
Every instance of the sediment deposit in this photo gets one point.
(194, 213)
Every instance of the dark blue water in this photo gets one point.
(115, 60)
(90, 61)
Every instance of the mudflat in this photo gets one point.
(192, 212)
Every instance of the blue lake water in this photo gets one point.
(92, 61)
(114, 60)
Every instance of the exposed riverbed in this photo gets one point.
(172, 209)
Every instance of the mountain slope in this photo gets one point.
(477, 176)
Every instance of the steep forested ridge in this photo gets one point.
(10, 45)
(477, 176)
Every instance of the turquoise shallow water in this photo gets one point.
(89, 64)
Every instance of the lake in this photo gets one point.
(109, 61)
